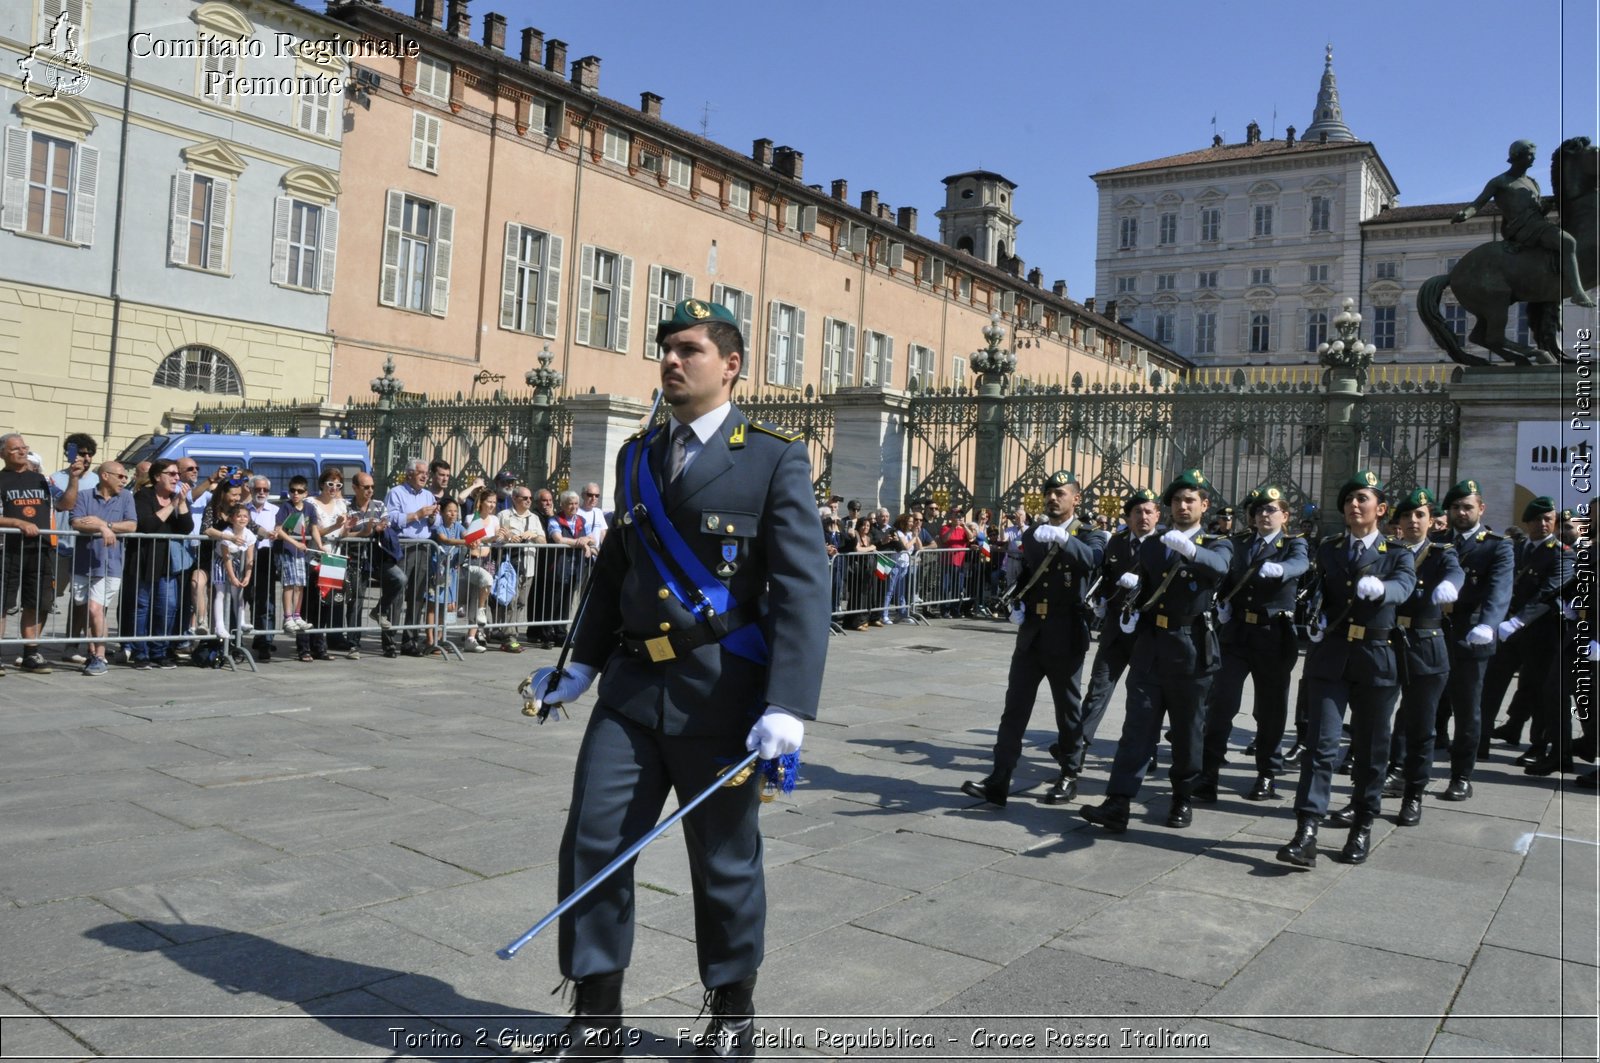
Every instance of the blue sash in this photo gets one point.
(708, 596)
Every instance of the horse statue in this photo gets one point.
(1492, 277)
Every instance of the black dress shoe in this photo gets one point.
(1509, 733)
(1458, 790)
(1294, 753)
(1547, 766)
(987, 790)
(1410, 810)
(1589, 780)
(1394, 784)
(1534, 755)
(1264, 789)
(732, 1032)
(1302, 848)
(1359, 843)
(1064, 789)
(595, 1031)
(1584, 748)
(1180, 815)
(1204, 792)
(1250, 750)
(1345, 817)
(1112, 814)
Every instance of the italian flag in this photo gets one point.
(477, 531)
(885, 565)
(983, 548)
(331, 574)
(291, 523)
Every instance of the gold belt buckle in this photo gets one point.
(1402, 621)
(1252, 618)
(660, 649)
(1041, 608)
(1447, 608)
(1161, 621)
(1356, 633)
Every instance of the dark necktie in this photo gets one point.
(679, 456)
(1257, 548)
(1357, 548)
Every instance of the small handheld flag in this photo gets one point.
(331, 573)
(885, 565)
(477, 531)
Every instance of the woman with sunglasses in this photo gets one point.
(325, 608)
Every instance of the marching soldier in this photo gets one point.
(1141, 513)
(1530, 640)
(708, 615)
(1424, 660)
(1470, 625)
(1255, 606)
(1352, 663)
(1058, 557)
(1175, 653)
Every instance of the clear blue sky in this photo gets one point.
(896, 96)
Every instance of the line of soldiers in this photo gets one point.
(1432, 620)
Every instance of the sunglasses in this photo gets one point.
(297, 490)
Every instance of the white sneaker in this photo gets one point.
(474, 646)
(201, 629)
(246, 630)
(483, 616)
(352, 655)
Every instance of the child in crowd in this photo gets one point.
(450, 534)
(294, 532)
(234, 562)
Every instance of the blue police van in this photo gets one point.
(276, 457)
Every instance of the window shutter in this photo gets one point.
(328, 251)
(624, 303)
(282, 212)
(897, 255)
(849, 355)
(688, 288)
(888, 362)
(87, 163)
(808, 220)
(182, 195)
(14, 200)
(830, 354)
(718, 297)
(772, 342)
(425, 141)
(508, 276)
(585, 292)
(797, 361)
(652, 312)
(552, 284)
(217, 223)
(434, 126)
(443, 236)
(536, 115)
(394, 212)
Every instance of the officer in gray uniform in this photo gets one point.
(1058, 557)
(1255, 606)
(1364, 576)
(1175, 654)
(711, 508)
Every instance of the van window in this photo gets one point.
(142, 449)
(280, 470)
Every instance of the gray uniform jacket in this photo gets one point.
(748, 492)
(1053, 608)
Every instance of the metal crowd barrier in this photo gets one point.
(938, 581)
(165, 605)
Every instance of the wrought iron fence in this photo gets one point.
(810, 417)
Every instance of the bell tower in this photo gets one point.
(977, 218)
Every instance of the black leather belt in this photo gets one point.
(1405, 622)
(1251, 617)
(1165, 621)
(671, 644)
(1358, 633)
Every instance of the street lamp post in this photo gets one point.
(992, 364)
(388, 388)
(1346, 360)
(544, 381)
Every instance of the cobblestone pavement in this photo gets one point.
(320, 860)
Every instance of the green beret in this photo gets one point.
(1460, 491)
(1060, 478)
(1265, 495)
(1144, 494)
(1364, 478)
(692, 312)
(1188, 478)
(1538, 507)
(1416, 500)
(1568, 514)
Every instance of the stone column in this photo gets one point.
(869, 446)
(1341, 443)
(600, 425)
(1493, 400)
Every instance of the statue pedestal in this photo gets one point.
(1493, 400)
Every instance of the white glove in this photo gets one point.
(1017, 613)
(1594, 650)
(1317, 630)
(1224, 612)
(1271, 570)
(1128, 623)
(1128, 581)
(1481, 635)
(1050, 533)
(1099, 609)
(1445, 593)
(1510, 627)
(565, 686)
(775, 734)
(1370, 588)
(1178, 543)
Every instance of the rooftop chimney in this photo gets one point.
(586, 74)
(907, 219)
(1036, 277)
(869, 201)
(841, 189)
(761, 152)
(555, 57)
(1088, 304)
(650, 104)
(1111, 309)
(789, 162)
(885, 212)
(1252, 133)
(532, 45)
(431, 12)
(1216, 140)
(1059, 288)
(460, 21)
(494, 31)
(1288, 136)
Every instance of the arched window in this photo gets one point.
(964, 244)
(199, 368)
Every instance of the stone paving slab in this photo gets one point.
(906, 859)
(87, 824)
(849, 971)
(45, 938)
(86, 869)
(1504, 985)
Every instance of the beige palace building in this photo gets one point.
(496, 205)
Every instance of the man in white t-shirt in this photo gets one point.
(594, 518)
